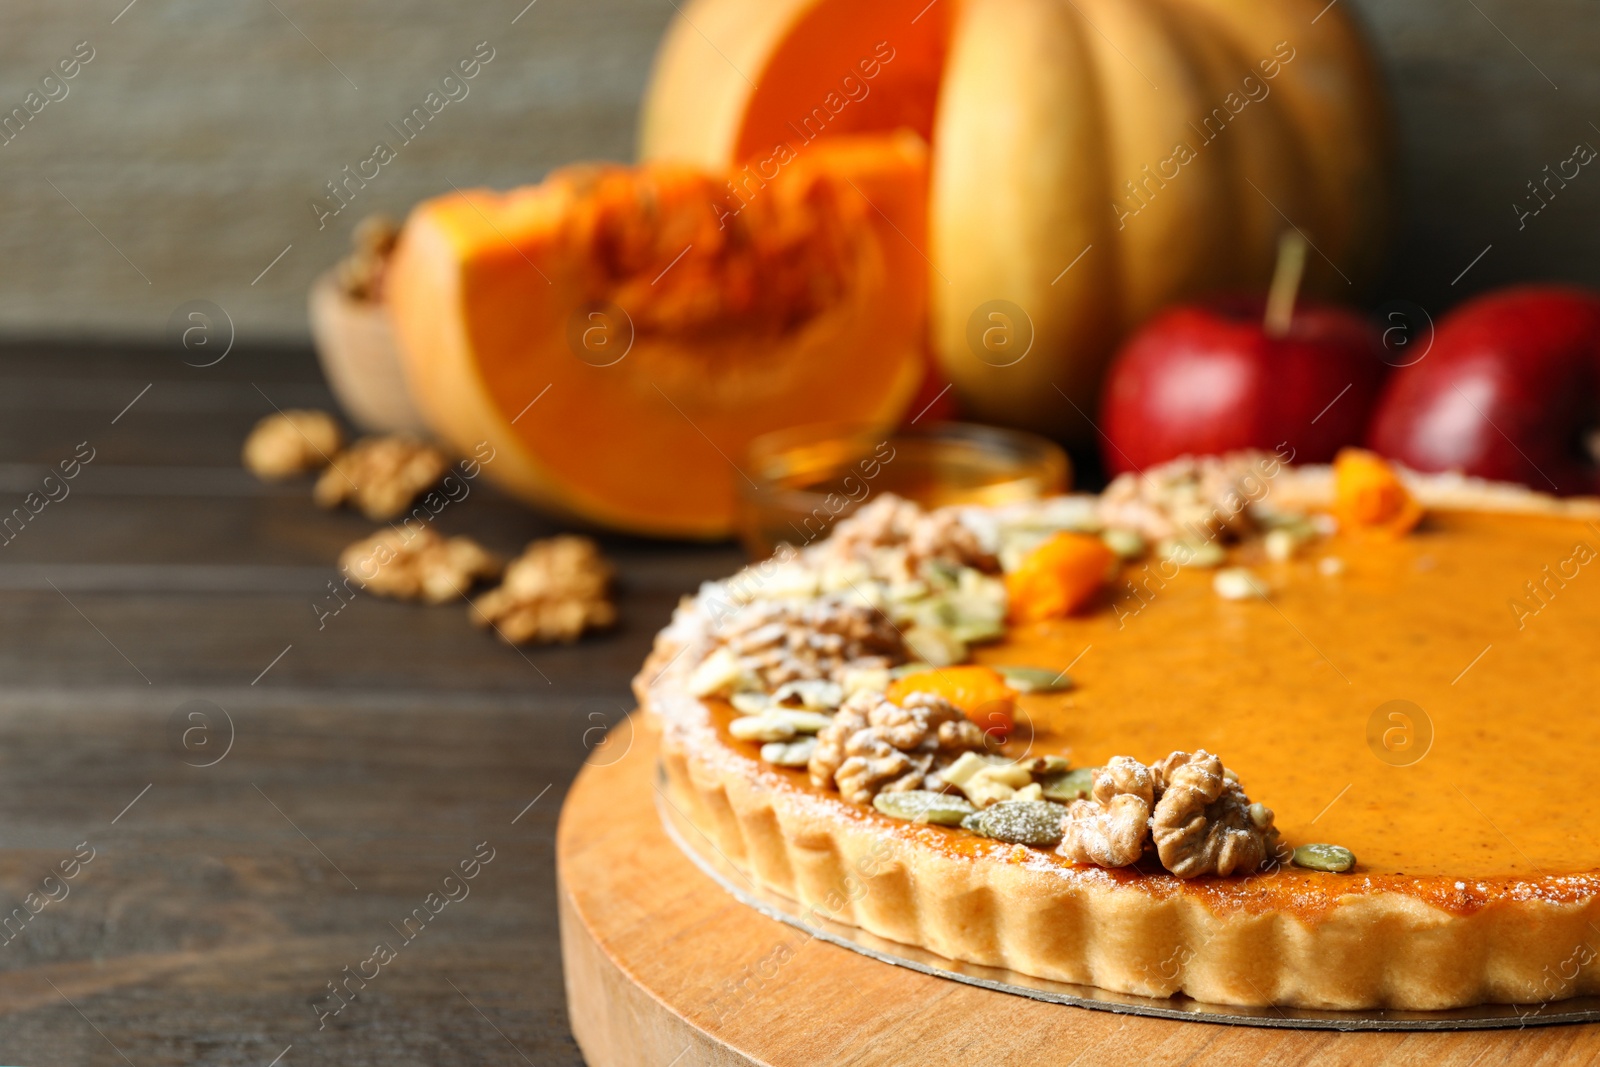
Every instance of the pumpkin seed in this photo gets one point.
(764, 727)
(1124, 542)
(921, 805)
(975, 630)
(804, 722)
(1281, 544)
(936, 646)
(789, 753)
(1043, 765)
(720, 672)
(1332, 858)
(1200, 554)
(1236, 583)
(814, 695)
(1019, 822)
(1035, 679)
(865, 679)
(914, 667)
(1068, 785)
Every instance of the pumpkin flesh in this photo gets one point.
(619, 335)
(1168, 143)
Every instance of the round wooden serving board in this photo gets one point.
(663, 967)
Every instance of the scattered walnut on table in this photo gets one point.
(381, 476)
(1111, 830)
(555, 591)
(1204, 823)
(418, 565)
(874, 745)
(287, 443)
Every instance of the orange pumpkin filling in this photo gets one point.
(1461, 794)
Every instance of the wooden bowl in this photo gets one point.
(361, 361)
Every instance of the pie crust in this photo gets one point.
(1289, 937)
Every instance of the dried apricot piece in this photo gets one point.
(1057, 578)
(980, 692)
(1369, 496)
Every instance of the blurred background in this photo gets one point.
(184, 158)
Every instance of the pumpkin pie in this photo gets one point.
(1251, 733)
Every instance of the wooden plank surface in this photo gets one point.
(199, 134)
(663, 966)
(368, 759)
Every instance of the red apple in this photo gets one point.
(1208, 379)
(1508, 390)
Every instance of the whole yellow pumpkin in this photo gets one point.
(1093, 160)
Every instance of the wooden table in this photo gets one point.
(370, 754)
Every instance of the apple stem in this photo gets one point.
(1285, 283)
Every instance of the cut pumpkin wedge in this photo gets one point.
(1070, 195)
(619, 335)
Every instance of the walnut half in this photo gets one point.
(380, 475)
(1111, 829)
(890, 522)
(292, 442)
(783, 641)
(418, 565)
(555, 591)
(1189, 805)
(874, 745)
(1204, 823)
